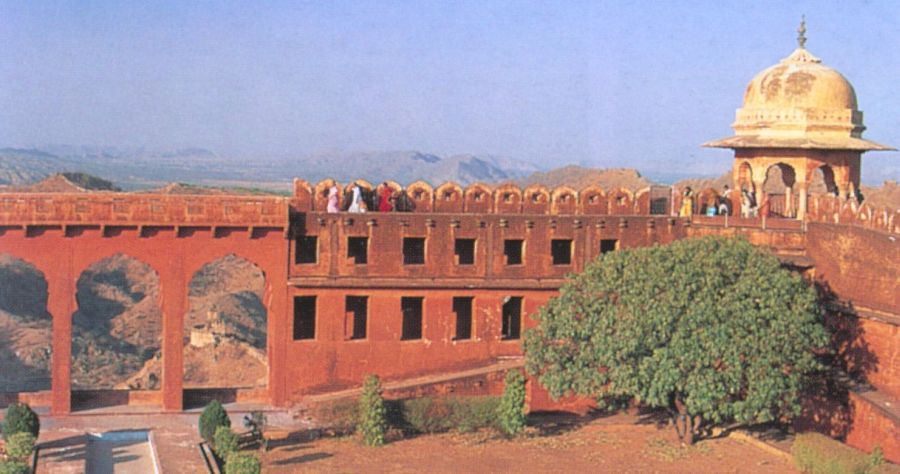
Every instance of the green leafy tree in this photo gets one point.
(14, 467)
(372, 422)
(511, 411)
(242, 464)
(20, 418)
(225, 442)
(213, 416)
(712, 329)
(20, 446)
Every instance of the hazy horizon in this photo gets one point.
(611, 84)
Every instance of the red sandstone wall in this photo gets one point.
(873, 427)
(861, 266)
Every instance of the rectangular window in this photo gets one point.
(608, 245)
(357, 308)
(465, 251)
(307, 250)
(512, 250)
(462, 306)
(358, 249)
(512, 317)
(411, 307)
(304, 317)
(561, 249)
(413, 250)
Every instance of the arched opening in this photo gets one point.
(225, 328)
(25, 328)
(116, 332)
(822, 181)
(779, 198)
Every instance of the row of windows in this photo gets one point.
(411, 308)
(307, 251)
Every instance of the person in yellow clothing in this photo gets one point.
(687, 203)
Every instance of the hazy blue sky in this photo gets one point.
(609, 84)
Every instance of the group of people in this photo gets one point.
(360, 199)
(720, 205)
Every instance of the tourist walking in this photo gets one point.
(687, 203)
(333, 199)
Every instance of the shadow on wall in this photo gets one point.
(827, 408)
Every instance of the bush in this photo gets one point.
(340, 416)
(213, 416)
(242, 464)
(818, 454)
(426, 415)
(20, 446)
(372, 413)
(435, 415)
(511, 412)
(20, 418)
(14, 467)
(224, 442)
(473, 413)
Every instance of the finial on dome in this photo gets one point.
(801, 32)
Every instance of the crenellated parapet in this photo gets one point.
(142, 209)
(481, 198)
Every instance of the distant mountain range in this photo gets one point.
(132, 169)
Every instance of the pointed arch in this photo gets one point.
(25, 327)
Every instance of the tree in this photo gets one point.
(20, 418)
(372, 413)
(225, 442)
(213, 416)
(20, 446)
(711, 329)
(511, 411)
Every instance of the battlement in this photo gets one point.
(18, 209)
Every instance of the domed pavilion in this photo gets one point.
(801, 117)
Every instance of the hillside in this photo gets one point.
(580, 177)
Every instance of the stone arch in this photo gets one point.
(226, 325)
(536, 199)
(25, 327)
(303, 196)
(822, 181)
(743, 179)
(478, 198)
(621, 202)
(778, 197)
(422, 194)
(592, 200)
(320, 195)
(117, 328)
(448, 197)
(507, 199)
(563, 200)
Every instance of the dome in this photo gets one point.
(799, 103)
(800, 81)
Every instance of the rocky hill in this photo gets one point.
(580, 177)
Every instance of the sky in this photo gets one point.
(600, 83)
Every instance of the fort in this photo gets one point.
(449, 287)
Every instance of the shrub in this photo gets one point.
(426, 415)
(340, 416)
(213, 416)
(818, 454)
(511, 412)
(242, 464)
(372, 413)
(224, 442)
(473, 413)
(20, 418)
(14, 467)
(20, 446)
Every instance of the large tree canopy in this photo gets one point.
(712, 329)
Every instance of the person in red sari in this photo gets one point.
(384, 198)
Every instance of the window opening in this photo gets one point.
(357, 309)
(304, 317)
(465, 251)
(413, 250)
(512, 317)
(411, 307)
(561, 250)
(512, 249)
(608, 245)
(358, 249)
(307, 249)
(462, 306)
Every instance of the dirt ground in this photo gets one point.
(597, 446)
